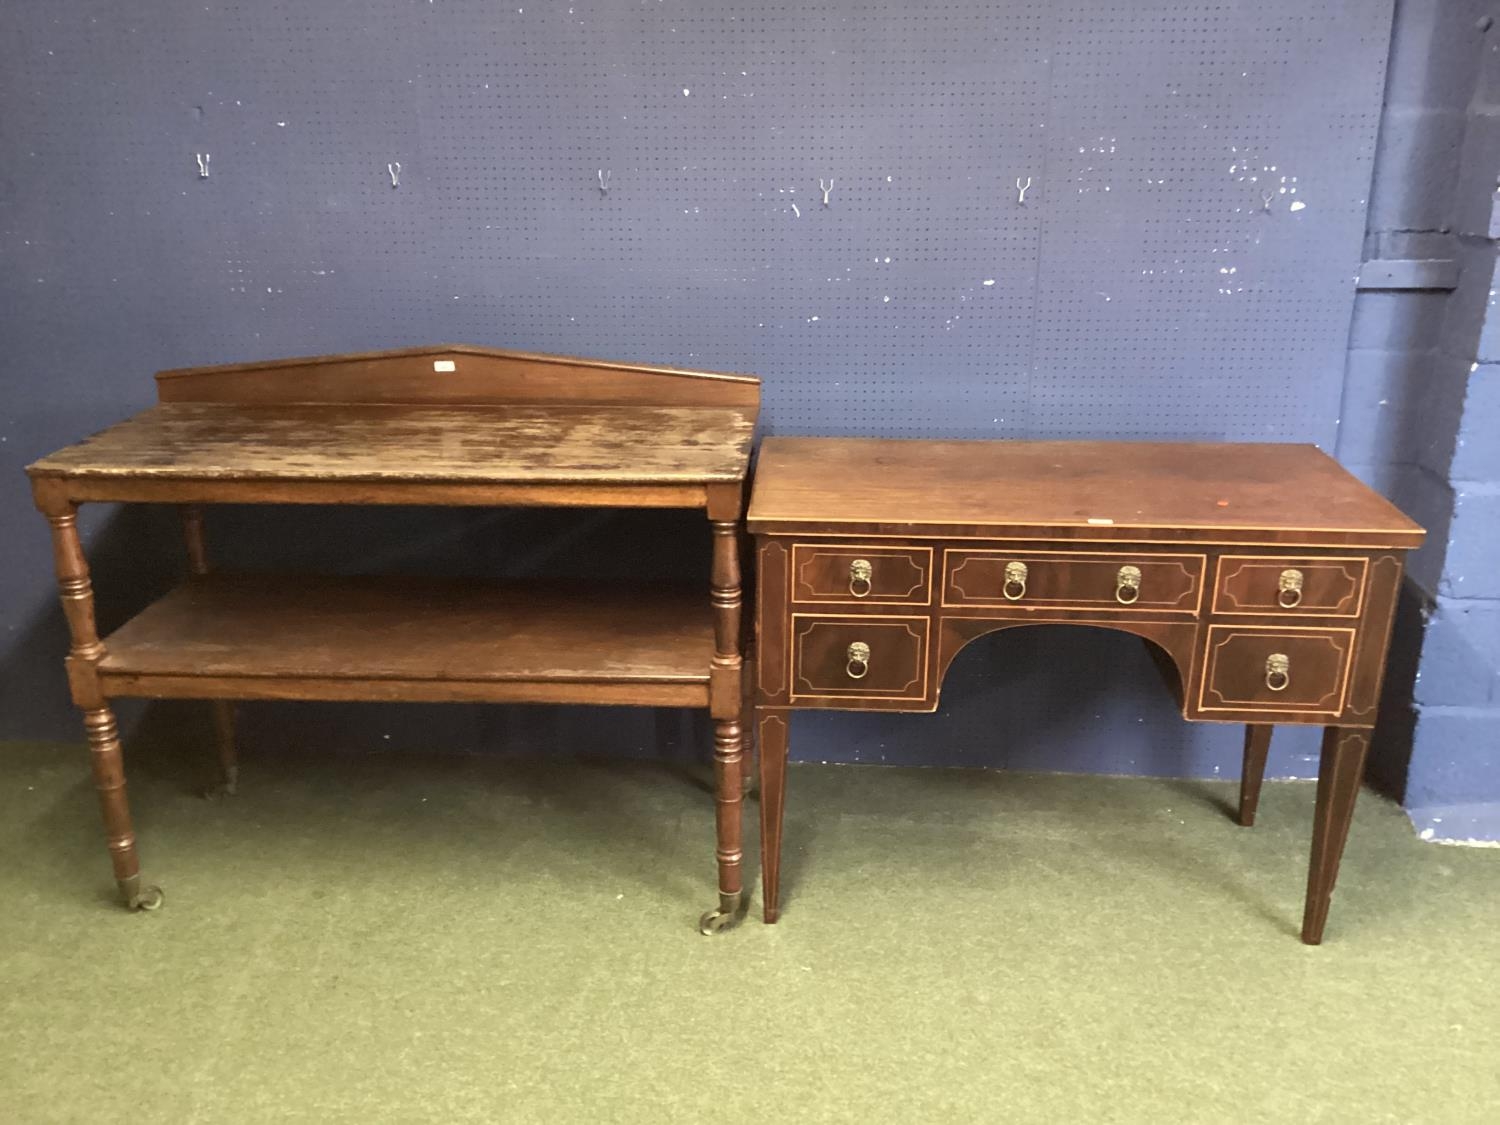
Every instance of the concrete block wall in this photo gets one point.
(1421, 408)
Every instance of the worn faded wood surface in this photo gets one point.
(350, 442)
(1081, 490)
(416, 628)
(434, 426)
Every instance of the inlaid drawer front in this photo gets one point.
(1249, 668)
(1270, 584)
(1078, 581)
(901, 575)
(859, 657)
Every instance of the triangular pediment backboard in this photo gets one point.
(455, 374)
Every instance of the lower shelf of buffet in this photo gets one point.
(299, 637)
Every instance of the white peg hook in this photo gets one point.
(394, 168)
(825, 188)
(1022, 189)
(203, 159)
(604, 181)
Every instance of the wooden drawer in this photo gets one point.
(1073, 581)
(1259, 585)
(883, 575)
(859, 657)
(1255, 668)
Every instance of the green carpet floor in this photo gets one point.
(432, 938)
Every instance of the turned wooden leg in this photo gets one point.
(726, 703)
(728, 824)
(84, 653)
(773, 741)
(109, 779)
(1257, 743)
(223, 710)
(1339, 774)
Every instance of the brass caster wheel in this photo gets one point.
(716, 921)
(731, 910)
(149, 898)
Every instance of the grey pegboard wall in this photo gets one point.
(1141, 290)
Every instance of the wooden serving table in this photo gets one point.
(1262, 577)
(435, 426)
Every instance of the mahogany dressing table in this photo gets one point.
(434, 426)
(1262, 577)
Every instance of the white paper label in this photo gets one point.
(442, 365)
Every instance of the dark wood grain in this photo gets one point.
(1076, 514)
(868, 574)
(1091, 581)
(1382, 592)
(895, 666)
(1237, 674)
(771, 724)
(1250, 584)
(1340, 772)
(772, 652)
(1141, 490)
(1253, 771)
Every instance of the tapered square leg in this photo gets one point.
(1257, 743)
(771, 723)
(1340, 772)
(748, 772)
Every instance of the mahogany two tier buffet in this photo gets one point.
(431, 426)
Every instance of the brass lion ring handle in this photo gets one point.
(1278, 671)
(859, 660)
(860, 571)
(1015, 581)
(1289, 589)
(1128, 585)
